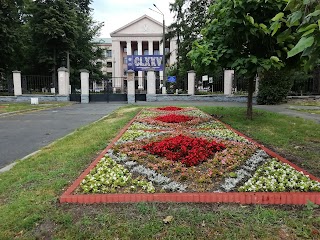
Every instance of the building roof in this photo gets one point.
(135, 22)
(102, 40)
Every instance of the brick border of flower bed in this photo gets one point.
(294, 198)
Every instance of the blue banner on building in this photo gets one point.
(144, 62)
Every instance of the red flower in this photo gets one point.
(170, 108)
(189, 151)
(174, 118)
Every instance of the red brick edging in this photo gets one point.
(216, 197)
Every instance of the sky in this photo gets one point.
(117, 13)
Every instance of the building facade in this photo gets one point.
(142, 36)
(106, 61)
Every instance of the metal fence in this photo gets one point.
(309, 87)
(240, 84)
(6, 84)
(36, 84)
(211, 84)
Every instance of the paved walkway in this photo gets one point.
(23, 134)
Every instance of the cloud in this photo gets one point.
(117, 13)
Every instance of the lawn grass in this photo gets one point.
(311, 111)
(305, 102)
(13, 107)
(29, 207)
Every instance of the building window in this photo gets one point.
(125, 73)
(124, 60)
(167, 50)
(135, 52)
(125, 49)
(109, 64)
(146, 52)
(156, 52)
(109, 53)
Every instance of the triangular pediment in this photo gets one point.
(144, 25)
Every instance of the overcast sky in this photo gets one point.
(117, 13)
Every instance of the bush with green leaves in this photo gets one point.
(274, 86)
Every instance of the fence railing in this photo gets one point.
(309, 87)
(36, 84)
(213, 84)
(6, 85)
(240, 85)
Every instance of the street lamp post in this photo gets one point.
(163, 48)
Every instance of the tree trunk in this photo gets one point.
(250, 95)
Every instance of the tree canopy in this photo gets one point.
(298, 29)
(190, 17)
(235, 37)
(36, 36)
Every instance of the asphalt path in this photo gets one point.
(23, 134)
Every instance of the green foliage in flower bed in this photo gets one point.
(274, 176)
(110, 177)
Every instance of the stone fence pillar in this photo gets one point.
(257, 85)
(17, 83)
(228, 78)
(151, 85)
(63, 81)
(191, 81)
(151, 82)
(131, 87)
(84, 78)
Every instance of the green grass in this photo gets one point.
(29, 193)
(305, 102)
(312, 111)
(13, 107)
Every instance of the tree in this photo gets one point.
(9, 33)
(297, 28)
(235, 38)
(59, 28)
(190, 17)
(54, 29)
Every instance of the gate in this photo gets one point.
(141, 94)
(102, 91)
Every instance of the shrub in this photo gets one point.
(274, 86)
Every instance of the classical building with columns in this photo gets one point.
(142, 36)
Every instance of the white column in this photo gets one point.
(117, 73)
(228, 78)
(84, 77)
(62, 81)
(150, 47)
(191, 80)
(131, 87)
(17, 83)
(140, 73)
(129, 49)
(151, 82)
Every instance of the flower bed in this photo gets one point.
(200, 155)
